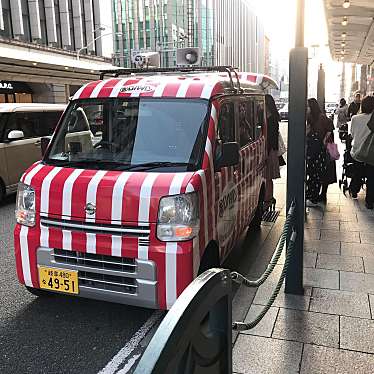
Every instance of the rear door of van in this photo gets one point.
(22, 153)
(229, 179)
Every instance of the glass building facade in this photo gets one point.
(162, 26)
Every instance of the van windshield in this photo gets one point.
(131, 133)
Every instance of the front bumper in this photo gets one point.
(114, 279)
(154, 281)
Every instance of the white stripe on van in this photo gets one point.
(44, 204)
(144, 203)
(24, 235)
(97, 89)
(182, 90)
(171, 251)
(117, 88)
(117, 203)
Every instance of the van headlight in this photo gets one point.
(25, 209)
(178, 217)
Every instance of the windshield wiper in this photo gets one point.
(159, 164)
(113, 165)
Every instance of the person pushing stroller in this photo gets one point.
(342, 119)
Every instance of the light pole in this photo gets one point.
(298, 80)
(94, 40)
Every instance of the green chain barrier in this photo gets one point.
(238, 278)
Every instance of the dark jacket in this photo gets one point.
(273, 133)
(353, 109)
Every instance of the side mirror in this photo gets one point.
(44, 143)
(15, 135)
(229, 155)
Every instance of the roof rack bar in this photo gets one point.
(189, 69)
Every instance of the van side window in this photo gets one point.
(47, 123)
(226, 123)
(246, 122)
(25, 122)
(259, 108)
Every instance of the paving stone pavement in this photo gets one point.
(330, 328)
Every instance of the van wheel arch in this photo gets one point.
(210, 257)
(2, 190)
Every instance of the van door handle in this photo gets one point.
(38, 143)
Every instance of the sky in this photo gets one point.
(280, 24)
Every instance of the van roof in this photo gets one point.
(31, 107)
(195, 85)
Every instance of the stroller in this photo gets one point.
(343, 132)
(350, 166)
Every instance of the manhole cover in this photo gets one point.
(270, 215)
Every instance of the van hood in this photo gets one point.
(102, 196)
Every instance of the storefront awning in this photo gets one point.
(10, 87)
(351, 30)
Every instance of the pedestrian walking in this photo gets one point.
(342, 119)
(362, 127)
(272, 164)
(320, 167)
(354, 106)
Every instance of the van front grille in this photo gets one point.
(94, 261)
(107, 282)
(142, 231)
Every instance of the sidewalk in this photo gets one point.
(331, 328)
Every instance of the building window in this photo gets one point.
(43, 23)
(8, 30)
(71, 21)
(83, 26)
(58, 23)
(26, 21)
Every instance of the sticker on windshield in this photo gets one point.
(227, 213)
(136, 88)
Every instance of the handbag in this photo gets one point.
(281, 146)
(332, 150)
(366, 152)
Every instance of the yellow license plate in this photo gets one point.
(59, 280)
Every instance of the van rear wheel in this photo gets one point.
(38, 292)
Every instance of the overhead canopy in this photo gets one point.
(355, 40)
(23, 64)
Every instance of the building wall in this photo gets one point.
(64, 24)
(239, 36)
(163, 26)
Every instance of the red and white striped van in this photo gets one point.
(148, 180)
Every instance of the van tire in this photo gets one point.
(210, 258)
(2, 190)
(256, 221)
(38, 292)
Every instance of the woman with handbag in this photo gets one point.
(362, 131)
(320, 166)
